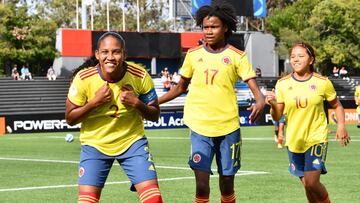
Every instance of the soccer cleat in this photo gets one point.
(279, 146)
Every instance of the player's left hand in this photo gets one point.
(127, 96)
(342, 135)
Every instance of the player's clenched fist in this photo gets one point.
(270, 97)
(103, 95)
(127, 96)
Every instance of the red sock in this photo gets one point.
(228, 198)
(201, 199)
(280, 141)
(88, 197)
(325, 200)
(150, 194)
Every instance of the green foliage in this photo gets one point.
(331, 26)
(25, 39)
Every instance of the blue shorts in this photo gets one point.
(227, 149)
(312, 160)
(136, 162)
(282, 120)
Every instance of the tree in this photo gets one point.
(25, 39)
(331, 26)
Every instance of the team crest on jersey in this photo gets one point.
(197, 158)
(290, 88)
(226, 60)
(200, 60)
(313, 87)
(81, 171)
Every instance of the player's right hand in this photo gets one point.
(103, 95)
(270, 97)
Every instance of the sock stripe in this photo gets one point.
(148, 192)
(87, 197)
(149, 197)
(228, 198)
(199, 199)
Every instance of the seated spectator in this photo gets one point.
(15, 74)
(51, 74)
(343, 73)
(175, 78)
(25, 73)
(335, 72)
(258, 72)
(166, 80)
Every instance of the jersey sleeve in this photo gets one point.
(77, 92)
(279, 93)
(330, 93)
(357, 91)
(147, 93)
(186, 69)
(244, 68)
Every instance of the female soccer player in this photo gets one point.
(110, 100)
(211, 110)
(357, 102)
(300, 95)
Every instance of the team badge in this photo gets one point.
(226, 60)
(290, 88)
(200, 60)
(316, 162)
(196, 158)
(81, 172)
(313, 87)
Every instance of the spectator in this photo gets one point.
(15, 73)
(335, 72)
(166, 81)
(25, 73)
(175, 78)
(51, 73)
(343, 73)
(258, 72)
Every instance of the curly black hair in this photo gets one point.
(221, 9)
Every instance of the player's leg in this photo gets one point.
(358, 125)
(276, 131)
(202, 154)
(138, 165)
(315, 158)
(228, 159)
(94, 168)
(281, 134)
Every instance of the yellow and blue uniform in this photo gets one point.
(304, 109)
(112, 127)
(211, 107)
(357, 94)
(113, 131)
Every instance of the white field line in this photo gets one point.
(120, 182)
(76, 162)
(240, 173)
(166, 138)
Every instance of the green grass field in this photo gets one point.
(43, 168)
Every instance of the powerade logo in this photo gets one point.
(34, 125)
(166, 120)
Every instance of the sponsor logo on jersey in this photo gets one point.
(316, 161)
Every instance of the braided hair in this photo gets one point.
(221, 9)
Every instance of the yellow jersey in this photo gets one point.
(112, 127)
(306, 123)
(357, 94)
(211, 107)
